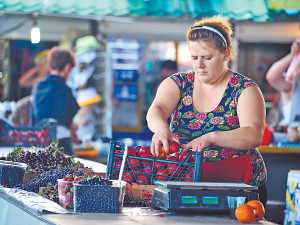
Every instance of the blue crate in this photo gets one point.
(11, 173)
(99, 198)
(40, 135)
(156, 169)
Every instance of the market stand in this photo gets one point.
(279, 161)
(130, 215)
(143, 216)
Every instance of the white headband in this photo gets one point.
(211, 29)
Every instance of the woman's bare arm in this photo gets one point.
(164, 103)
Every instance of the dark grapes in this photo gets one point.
(45, 178)
(42, 160)
(50, 192)
(95, 180)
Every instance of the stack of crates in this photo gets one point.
(144, 170)
(292, 210)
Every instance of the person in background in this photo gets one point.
(40, 70)
(168, 67)
(21, 114)
(213, 110)
(276, 76)
(52, 98)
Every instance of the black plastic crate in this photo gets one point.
(11, 173)
(40, 135)
(144, 170)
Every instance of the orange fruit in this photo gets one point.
(244, 213)
(259, 210)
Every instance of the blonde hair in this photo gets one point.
(41, 57)
(218, 22)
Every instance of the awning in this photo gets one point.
(255, 10)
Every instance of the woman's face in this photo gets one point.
(208, 62)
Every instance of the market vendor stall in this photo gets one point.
(130, 215)
(32, 208)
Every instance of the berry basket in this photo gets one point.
(65, 193)
(144, 170)
(90, 198)
(11, 173)
(40, 135)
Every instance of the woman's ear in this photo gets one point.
(227, 54)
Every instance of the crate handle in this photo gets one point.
(123, 163)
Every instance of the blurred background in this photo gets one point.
(133, 38)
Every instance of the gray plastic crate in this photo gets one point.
(99, 198)
(11, 173)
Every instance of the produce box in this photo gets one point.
(138, 195)
(289, 217)
(99, 198)
(293, 191)
(65, 193)
(145, 170)
(40, 135)
(28, 176)
(11, 173)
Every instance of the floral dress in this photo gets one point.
(188, 124)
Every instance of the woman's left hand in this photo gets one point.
(198, 144)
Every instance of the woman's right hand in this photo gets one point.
(163, 137)
(295, 48)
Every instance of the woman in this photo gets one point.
(277, 79)
(214, 110)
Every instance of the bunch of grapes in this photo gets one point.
(50, 192)
(95, 180)
(46, 178)
(42, 160)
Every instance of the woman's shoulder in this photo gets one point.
(241, 81)
(184, 75)
(183, 79)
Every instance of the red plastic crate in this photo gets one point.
(143, 170)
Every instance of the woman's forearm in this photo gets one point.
(275, 73)
(244, 138)
(156, 119)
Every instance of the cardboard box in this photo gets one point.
(289, 217)
(297, 206)
(293, 191)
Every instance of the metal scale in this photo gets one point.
(199, 196)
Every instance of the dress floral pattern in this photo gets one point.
(188, 124)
